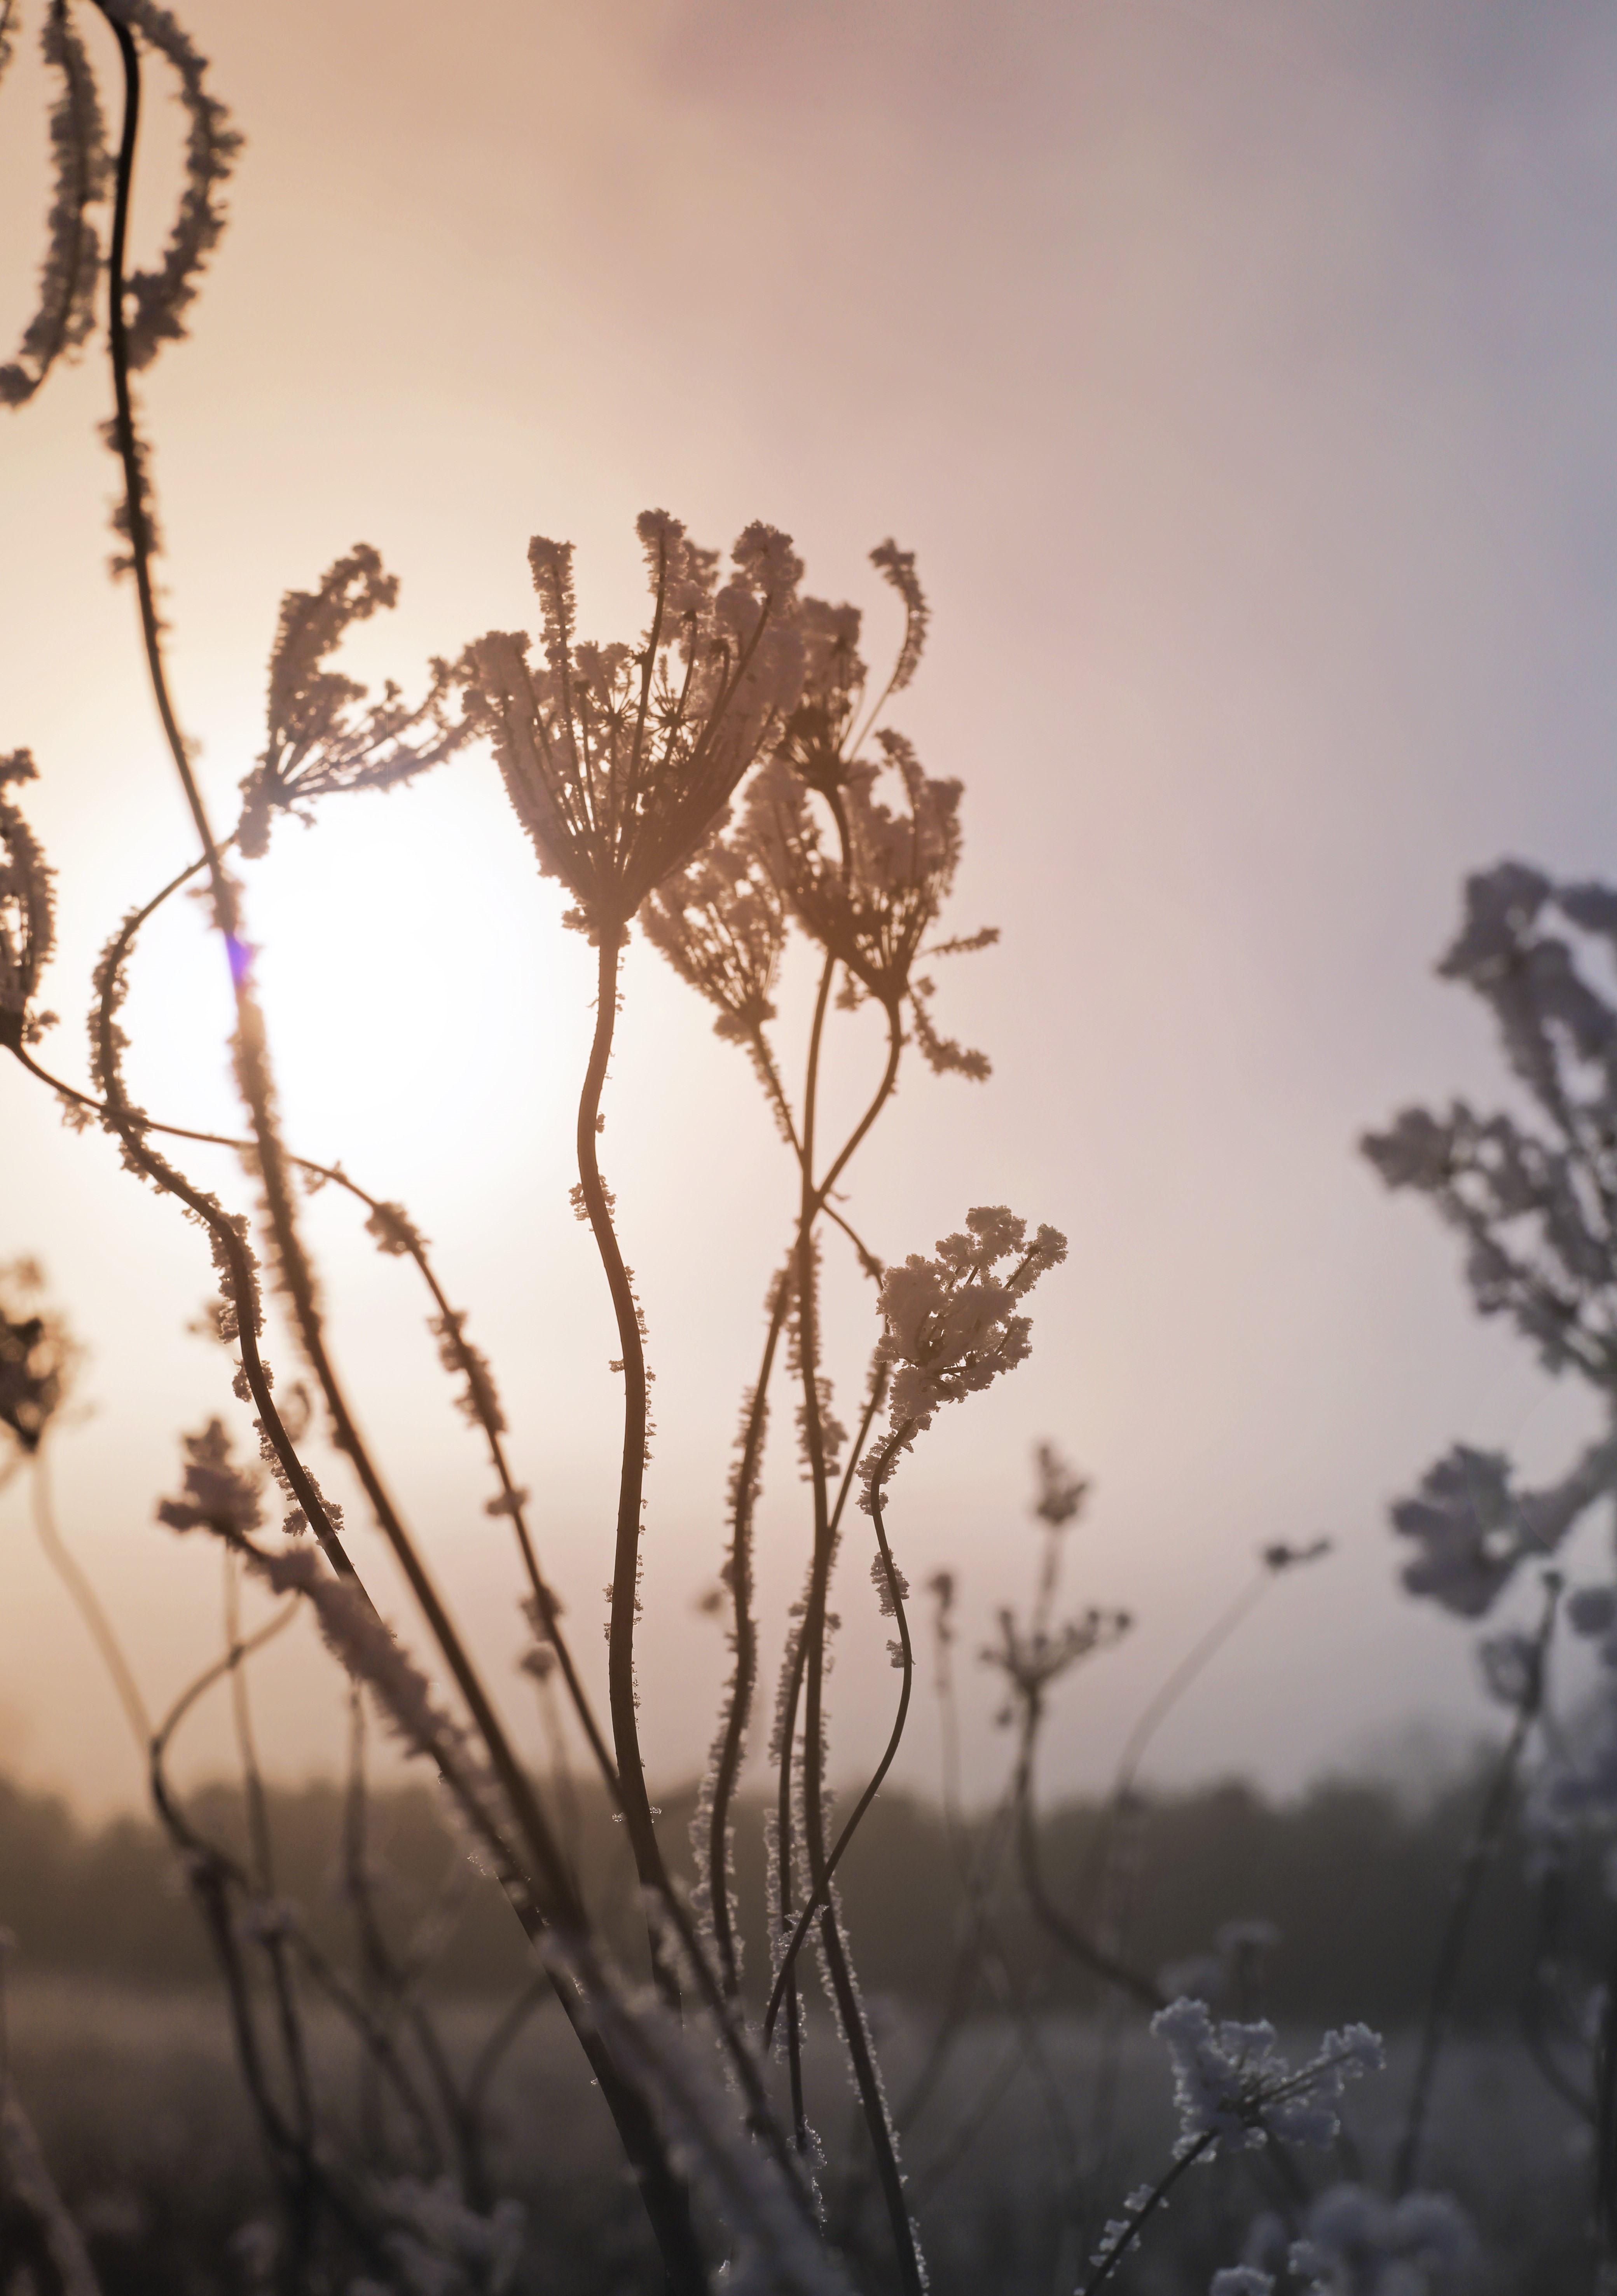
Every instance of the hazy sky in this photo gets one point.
(1242, 374)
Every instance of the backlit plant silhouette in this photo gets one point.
(726, 781)
(627, 766)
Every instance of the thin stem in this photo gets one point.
(621, 1697)
(1481, 1851)
(664, 2193)
(1077, 1942)
(1114, 2255)
(415, 1250)
(737, 1708)
(88, 1604)
(818, 1896)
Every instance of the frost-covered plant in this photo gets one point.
(27, 912)
(1235, 2093)
(1355, 2243)
(622, 761)
(1535, 1199)
(1533, 1192)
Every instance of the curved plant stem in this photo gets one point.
(88, 1605)
(413, 1247)
(1481, 1851)
(304, 2182)
(663, 2189)
(730, 1745)
(1073, 1940)
(621, 1697)
(818, 1896)
(1136, 2218)
(856, 2036)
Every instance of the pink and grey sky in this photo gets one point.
(1241, 373)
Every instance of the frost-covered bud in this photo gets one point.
(1240, 2280)
(1061, 1490)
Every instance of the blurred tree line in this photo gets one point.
(1355, 1879)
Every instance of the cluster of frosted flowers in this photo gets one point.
(951, 1322)
(1235, 2090)
(26, 910)
(1355, 2243)
(818, 843)
(1472, 1528)
(620, 759)
(316, 742)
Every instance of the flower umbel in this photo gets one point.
(620, 760)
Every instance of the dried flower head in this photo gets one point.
(26, 911)
(1061, 1490)
(721, 925)
(871, 897)
(1232, 2087)
(1472, 1530)
(620, 760)
(1534, 1204)
(319, 740)
(36, 1356)
(1033, 1659)
(822, 738)
(219, 1496)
